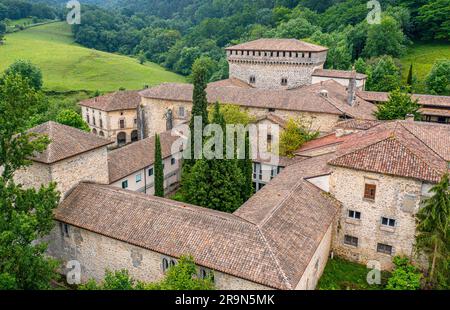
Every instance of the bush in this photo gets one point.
(405, 276)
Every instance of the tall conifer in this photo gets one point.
(159, 170)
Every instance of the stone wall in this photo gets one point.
(360, 83)
(96, 253)
(396, 198)
(33, 176)
(316, 266)
(90, 166)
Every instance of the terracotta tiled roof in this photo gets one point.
(274, 119)
(121, 100)
(136, 156)
(435, 112)
(401, 148)
(220, 241)
(338, 74)
(426, 100)
(357, 124)
(289, 45)
(305, 99)
(230, 82)
(65, 142)
(327, 140)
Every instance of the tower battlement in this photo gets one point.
(275, 63)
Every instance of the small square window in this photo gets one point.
(138, 178)
(150, 172)
(284, 81)
(350, 240)
(387, 222)
(384, 248)
(125, 184)
(172, 161)
(252, 79)
(354, 214)
(370, 191)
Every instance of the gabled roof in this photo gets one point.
(338, 74)
(288, 45)
(306, 99)
(138, 155)
(426, 100)
(65, 142)
(400, 148)
(121, 100)
(272, 249)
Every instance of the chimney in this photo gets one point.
(324, 93)
(351, 98)
(409, 118)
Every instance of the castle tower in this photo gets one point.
(275, 63)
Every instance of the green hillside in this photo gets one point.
(423, 56)
(68, 66)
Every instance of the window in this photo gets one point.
(150, 172)
(165, 264)
(173, 262)
(88, 119)
(181, 112)
(205, 274)
(271, 110)
(384, 248)
(172, 161)
(252, 79)
(138, 178)
(125, 184)
(101, 123)
(369, 191)
(269, 139)
(93, 119)
(354, 214)
(122, 123)
(350, 240)
(273, 173)
(284, 81)
(387, 222)
(64, 229)
(135, 121)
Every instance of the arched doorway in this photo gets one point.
(134, 136)
(121, 138)
(94, 131)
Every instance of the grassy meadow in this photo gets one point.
(423, 56)
(67, 66)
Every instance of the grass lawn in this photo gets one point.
(423, 56)
(68, 66)
(340, 274)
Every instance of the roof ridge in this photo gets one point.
(277, 263)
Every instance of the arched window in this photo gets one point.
(94, 131)
(173, 262)
(165, 264)
(134, 136)
(101, 133)
(121, 138)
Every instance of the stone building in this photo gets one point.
(113, 116)
(71, 157)
(275, 63)
(435, 109)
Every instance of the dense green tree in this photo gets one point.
(73, 119)
(433, 234)
(433, 20)
(2, 30)
(361, 66)
(339, 53)
(28, 71)
(246, 166)
(296, 133)
(298, 28)
(26, 214)
(438, 81)
(405, 275)
(398, 106)
(386, 38)
(159, 169)
(383, 75)
(215, 183)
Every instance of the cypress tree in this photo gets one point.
(159, 171)
(409, 80)
(246, 166)
(199, 106)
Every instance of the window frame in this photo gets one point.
(138, 178)
(350, 240)
(381, 248)
(125, 184)
(388, 222)
(368, 188)
(355, 214)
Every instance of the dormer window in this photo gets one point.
(252, 79)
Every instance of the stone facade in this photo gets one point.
(96, 253)
(275, 70)
(118, 126)
(89, 166)
(396, 198)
